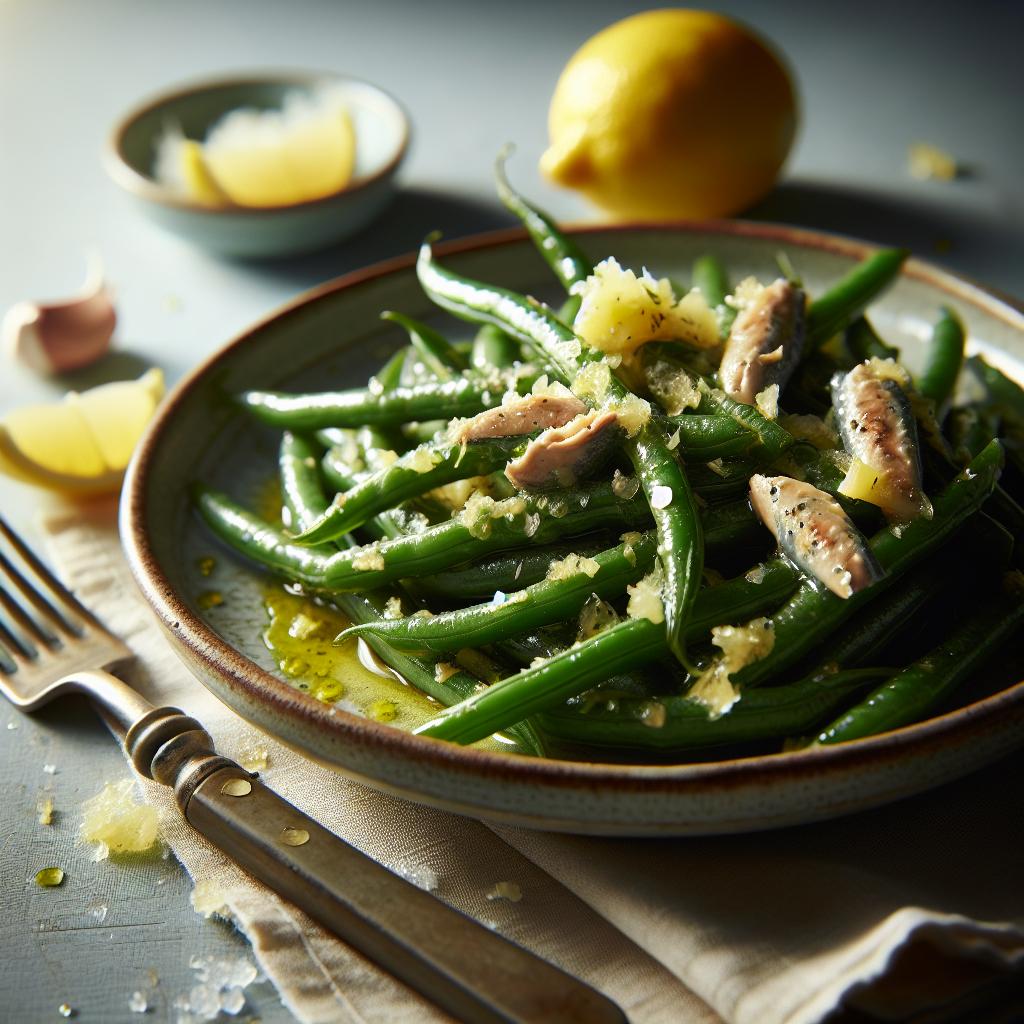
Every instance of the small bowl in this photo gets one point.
(382, 138)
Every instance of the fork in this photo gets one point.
(51, 644)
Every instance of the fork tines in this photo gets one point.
(32, 613)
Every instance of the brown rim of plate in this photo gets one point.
(258, 686)
(125, 175)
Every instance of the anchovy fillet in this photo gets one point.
(524, 415)
(765, 342)
(877, 427)
(813, 530)
(562, 455)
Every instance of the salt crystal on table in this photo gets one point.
(232, 1001)
(243, 973)
(204, 1001)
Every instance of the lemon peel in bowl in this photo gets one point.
(264, 158)
(82, 444)
(671, 114)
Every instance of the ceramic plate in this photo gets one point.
(333, 337)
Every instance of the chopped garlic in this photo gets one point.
(633, 414)
(625, 487)
(368, 560)
(458, 492)
(746, 293)
(645, 598)
(554, 389)
(393, 607)
(767, 401)
(592, 381)
(740, 645)
(444, 671)
(573, 565)
(628, 540)
(422, 459)
(481, 510)
(672, 386)
(304, 627)
(654, 714)
(673, 441)
(595, 616)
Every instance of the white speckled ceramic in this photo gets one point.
(382, 137)
(333, 337)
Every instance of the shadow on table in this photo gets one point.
(980, 243)
(403, 226)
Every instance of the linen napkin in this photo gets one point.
(911, 912)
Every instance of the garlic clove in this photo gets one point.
(59, 336)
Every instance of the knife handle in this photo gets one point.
(466, 969)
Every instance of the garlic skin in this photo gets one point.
(56, 337)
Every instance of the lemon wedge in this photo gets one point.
(196, 179)
(82, 444)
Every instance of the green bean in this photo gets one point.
(707, 437)
(944, 359)
(507, 571)
(1005, 395)
(494, 349)
(406, 478)
(390, 374)
(970, 428)
(678, 524)
(726, 527)
(772, 439)
(301, 490)
(813, 613)
(927, 683)
(876, 625)
(428, 551)
(710, 277)
(560, 252)
(862, 342)
(358, 407)
(722, 478)
(336, 475)
(550, 600)
(677, 723)
(680, 543)
(304, 501)
(847, 299)
(437, 353)
(620, 648)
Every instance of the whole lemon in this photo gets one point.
(671, 113)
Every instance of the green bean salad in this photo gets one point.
(664, 521)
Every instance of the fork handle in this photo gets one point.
(468, 970)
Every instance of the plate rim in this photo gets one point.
(303, 712)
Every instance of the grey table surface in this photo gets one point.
(873, 78)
